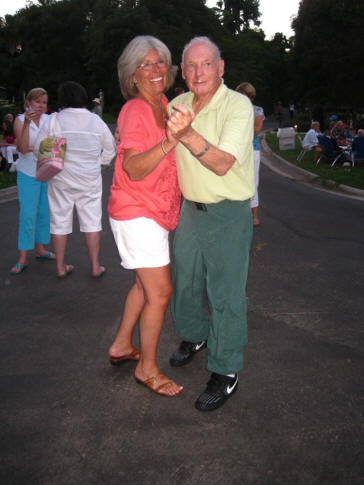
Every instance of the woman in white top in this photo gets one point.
(32, 194)
(310, 140)
(90, 144)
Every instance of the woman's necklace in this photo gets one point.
(161, 111)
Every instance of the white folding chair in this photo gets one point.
(302, 152)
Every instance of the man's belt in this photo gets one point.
(200, 206)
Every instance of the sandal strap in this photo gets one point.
(152, 383)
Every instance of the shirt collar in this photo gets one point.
(214, 102)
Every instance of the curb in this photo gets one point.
(298, 174)
(277, 164)
(8, 194)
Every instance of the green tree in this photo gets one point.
(49, 46)
(114, 24)
(238, 14)
(327, 52)
(81, 40)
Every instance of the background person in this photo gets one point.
(341, 135)
(7, 145)
(249, 90)
(212, 242)
(32, 194)
(332, 122)
(310, 140)
(291, 111)
(89, 144)
(97, 109)
(144, 205)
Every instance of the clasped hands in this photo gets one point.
(180, 121)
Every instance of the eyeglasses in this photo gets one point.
(148, 66)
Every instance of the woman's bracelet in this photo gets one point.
(163, 149)
(199, 155)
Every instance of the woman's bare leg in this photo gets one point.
(157, 290)
(40, 249)
(134, 303)
(93, 246)
(255, 216)
(23, 255)
(59, 243)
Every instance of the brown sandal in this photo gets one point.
(134, 355)
(153, 383)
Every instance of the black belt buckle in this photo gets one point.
(200, 207)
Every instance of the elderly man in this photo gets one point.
(214, 126)
(341, 135)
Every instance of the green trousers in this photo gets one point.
(210, 266)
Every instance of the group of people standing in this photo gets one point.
(201, 145)
(46, 208)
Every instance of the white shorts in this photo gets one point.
(254, 201)
(142, 243)
(63, 199)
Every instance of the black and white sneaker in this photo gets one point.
(183, 355)
(218, 390)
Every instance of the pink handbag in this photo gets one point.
(51, 153)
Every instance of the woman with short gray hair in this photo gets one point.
(132, 57)
(144, 205)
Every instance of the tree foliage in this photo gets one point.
(54, 41)
(238, 14)
(328, 52)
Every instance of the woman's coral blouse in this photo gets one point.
(157, 196)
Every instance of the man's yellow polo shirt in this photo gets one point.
(227, 122)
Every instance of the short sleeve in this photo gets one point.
(258, 111)
(236, 137)
(133, 126)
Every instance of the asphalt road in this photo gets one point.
(68, 417)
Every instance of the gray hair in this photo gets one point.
(247, 89)
(133, 55)
(201, 40)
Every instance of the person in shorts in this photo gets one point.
(90, 144)
(144, 205)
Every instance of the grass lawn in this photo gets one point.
(341, 175)
(109, 118)
(7, 179)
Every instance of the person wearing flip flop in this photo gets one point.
(144, 205)
(215, 164)
(32, 194)
(90, 144)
